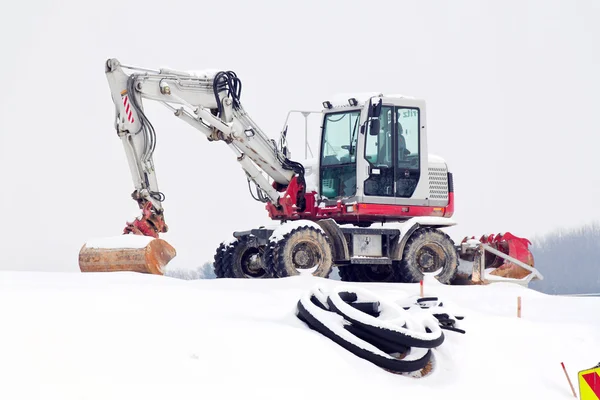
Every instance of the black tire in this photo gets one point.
(302, 248)
(243, 260)
(219, 264)
(376, 273)
(429, 250)
(268, 260)
(346, 273)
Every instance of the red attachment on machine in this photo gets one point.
(150, 224)
(507, 243)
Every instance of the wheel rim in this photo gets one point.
(306, 256)
(303, 251)
(431, 259)
(252, 263)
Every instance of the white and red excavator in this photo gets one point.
(373, 205)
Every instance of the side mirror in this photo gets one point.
(373, 116)
(376, 109)
(374, 127)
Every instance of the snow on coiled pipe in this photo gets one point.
(332, 326)
(335, 323)
(318, 311)
(393, 322)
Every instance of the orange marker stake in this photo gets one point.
(568, 379)
(421, 288)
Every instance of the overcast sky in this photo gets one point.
(512, 90)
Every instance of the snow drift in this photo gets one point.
(132, 336)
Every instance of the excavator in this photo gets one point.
(373, 204)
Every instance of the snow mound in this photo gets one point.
(136, 336)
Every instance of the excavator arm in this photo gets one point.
(210, 102)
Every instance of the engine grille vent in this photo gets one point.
(438, 183)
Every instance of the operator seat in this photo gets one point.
(402, 150)
(330, 160)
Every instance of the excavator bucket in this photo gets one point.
(132, 253)
(507, 243)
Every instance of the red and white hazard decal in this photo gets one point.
(128, 110)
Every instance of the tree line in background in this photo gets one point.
(205, 271)
(569, 260)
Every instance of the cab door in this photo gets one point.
(408, 164)
(380, 156)
(393, 157)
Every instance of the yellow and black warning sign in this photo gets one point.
(589, 383)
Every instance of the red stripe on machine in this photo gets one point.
(128, 110)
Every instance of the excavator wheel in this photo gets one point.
(347, 273)
(370, 273)
(429, 251)
(219, 264)
(377, 273)
(243, 260)
(268, 259)
(303, 250)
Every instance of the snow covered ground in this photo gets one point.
(132, 336)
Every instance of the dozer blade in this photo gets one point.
(135, 253)
(515, 247)
(506, 243)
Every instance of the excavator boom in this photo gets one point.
(210, 102)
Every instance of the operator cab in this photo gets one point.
(374, 152)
